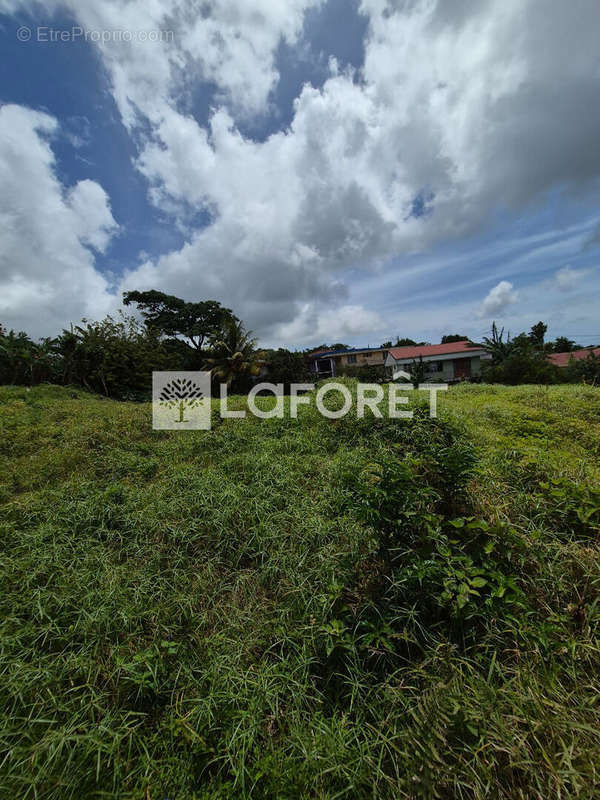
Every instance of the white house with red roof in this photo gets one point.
(443, 362)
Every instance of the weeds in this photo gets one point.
(292, 609)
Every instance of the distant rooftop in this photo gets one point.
(414, 351)
(562, 359)
(328, 353)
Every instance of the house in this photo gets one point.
(563, 359)
(443, 362)
(329, 363)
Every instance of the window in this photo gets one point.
(367, 355)
(435, 366)
(384, 355)
(352, 359)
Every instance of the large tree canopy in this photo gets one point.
(173, 316)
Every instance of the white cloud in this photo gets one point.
(568, 278)
(498, 298)
(47, 275)
(91, 208)
(313, 325)
(453, 100)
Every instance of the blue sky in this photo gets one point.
(331, 170)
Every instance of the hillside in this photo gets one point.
(301, 608)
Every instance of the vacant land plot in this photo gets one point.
(301, 608)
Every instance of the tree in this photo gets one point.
(112, 357)
(285, 366)
(537, 333)
(386, 345)
(233, 356)
(417, 371)
(22, 361)
(453, 337)
(498, 347)
(562, 344)
(172, 316)
(405, 342)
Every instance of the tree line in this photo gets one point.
(116, 357)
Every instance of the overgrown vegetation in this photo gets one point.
(524, 359)
(301, 608)
(117, 357)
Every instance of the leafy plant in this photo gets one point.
(574, 508)
(233, 355)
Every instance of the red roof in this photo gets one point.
(562, 359)
(414, 351)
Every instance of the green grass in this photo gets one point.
(301, 608)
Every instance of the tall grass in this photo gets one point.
(300, 608)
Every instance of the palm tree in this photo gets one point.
(234, 355)
(498, 347)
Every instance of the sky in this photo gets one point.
(332, 170)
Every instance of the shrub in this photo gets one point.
(285, 366)
(369, 373)
(114, 358)
(584, 370)
(522, 368)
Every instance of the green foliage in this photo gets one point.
(497, 346)
(233, 358)
(562, 344)
(300, 608)
(367, 373)
(286, 366)
(584, 370)
(418, 371)
(340, 346)
(171, 316)
(573, 508)
(453, 337)
(522, 367)
(22, 361)
(432, 565)
(405, 342)
(537, 333)
(114, 358)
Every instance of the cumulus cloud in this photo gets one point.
(498, 298)
(468, 105)
(47, 274)
(92, 214)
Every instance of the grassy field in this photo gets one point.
(301, 608)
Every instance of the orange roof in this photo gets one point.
(562, 359)
(414, 351)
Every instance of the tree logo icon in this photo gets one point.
(181, 393)
(181, 400)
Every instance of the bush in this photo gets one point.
(24, 362)
(369, 373)
(584, 370)
(286, 366)
(113, 358)
(522, 368)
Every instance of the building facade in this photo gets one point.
(329, 363)
(445, 363)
